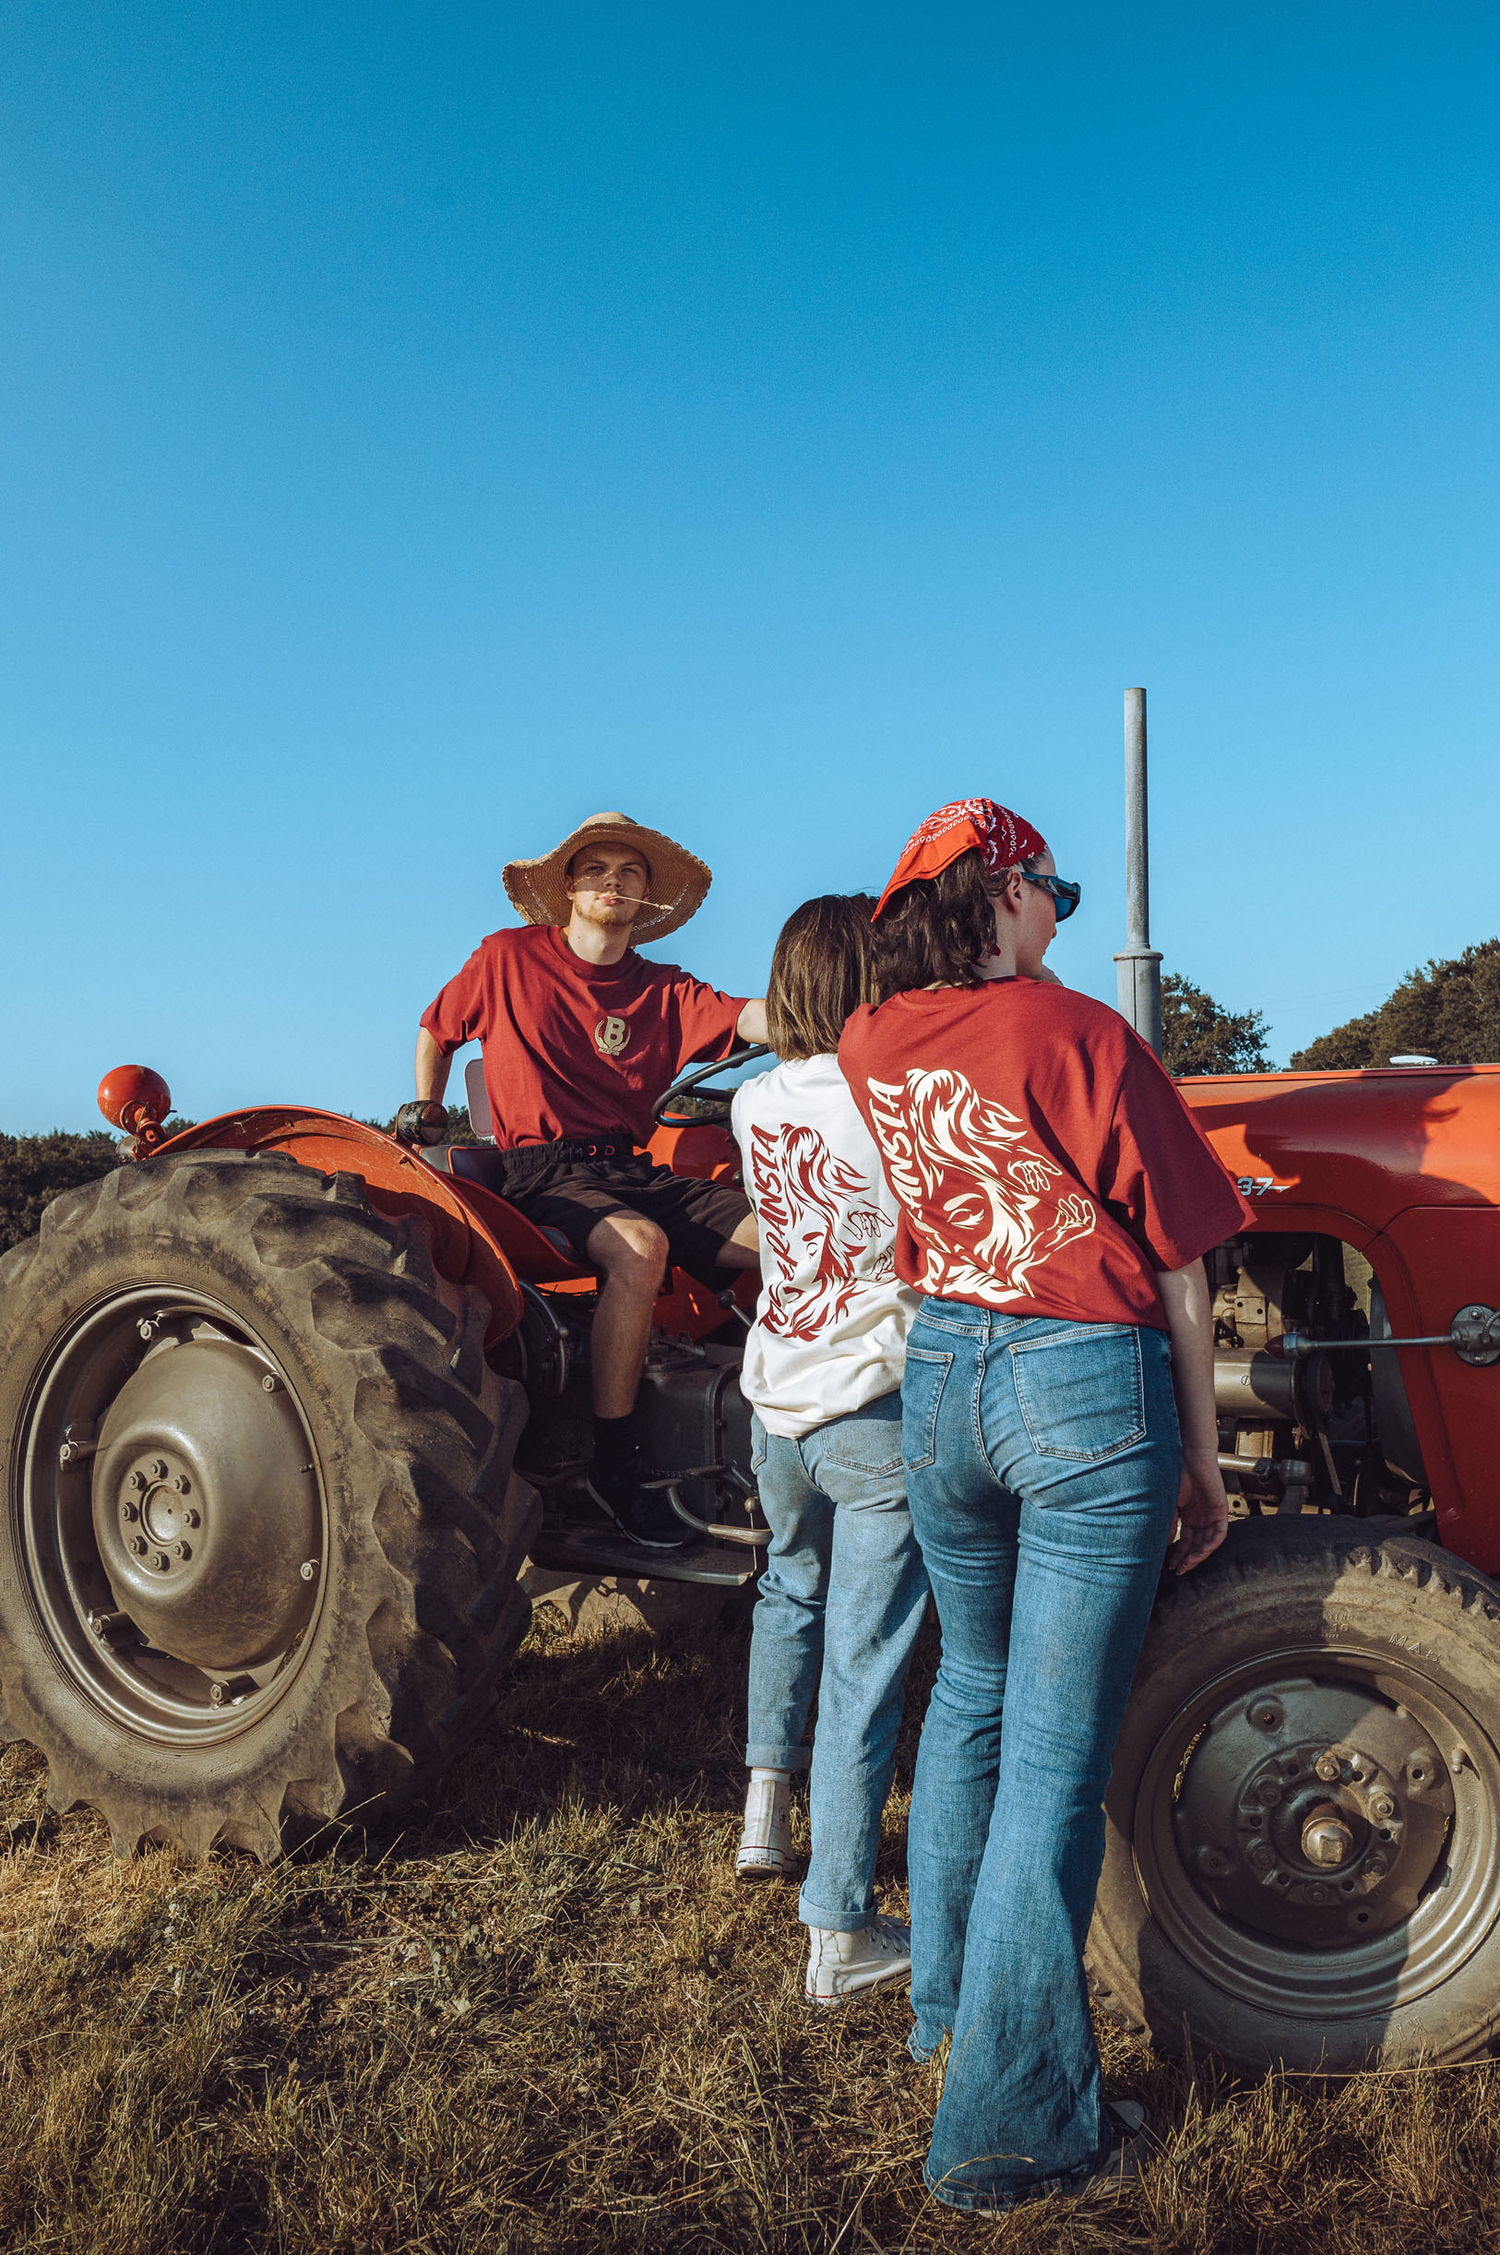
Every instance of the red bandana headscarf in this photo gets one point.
(1002, 837)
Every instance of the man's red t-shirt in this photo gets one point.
(1043, 1161)
(572, 1048)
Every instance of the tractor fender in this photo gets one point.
(465, 1250)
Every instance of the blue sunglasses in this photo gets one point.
(1065, 894)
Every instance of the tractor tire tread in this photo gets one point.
(435, 1522)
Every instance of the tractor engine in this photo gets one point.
(693, 1421)
(1332, 1431)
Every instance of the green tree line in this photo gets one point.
(1448, 1010)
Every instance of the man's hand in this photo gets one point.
(418, 1123)
(1202, 1513)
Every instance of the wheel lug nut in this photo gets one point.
(182, 1550)
(1381, 1807)
(159, 1468)
(1377, 1867)
(136, 1481)
(130, 1512)
(1268, 1792)
(1327, 1767)
(138, 1546)
(180, 1484)
(191, 1519)
(1262, 1855)
(216, 1695)
(162, 1561)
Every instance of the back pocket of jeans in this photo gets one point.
(921, 1398)
(1081, 1393)
(862, 1444)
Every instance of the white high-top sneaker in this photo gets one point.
(839, 1965)
(765, 1849)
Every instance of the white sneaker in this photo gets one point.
(839, 1965)
(765, 1849)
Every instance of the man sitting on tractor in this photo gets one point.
(580, 1037)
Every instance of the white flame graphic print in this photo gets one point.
(980, 1199)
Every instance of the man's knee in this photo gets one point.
(630, 1248)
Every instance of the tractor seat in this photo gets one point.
(482, 1163)
(538, 1255)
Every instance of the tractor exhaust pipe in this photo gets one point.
(1138, 964)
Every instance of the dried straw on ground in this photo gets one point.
(545, 2018)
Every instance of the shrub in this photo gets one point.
(1198, 1035)
(35, 1168)
(1450, 1010)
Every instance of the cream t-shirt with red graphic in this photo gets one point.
(1045, 1163)
(830, 1328)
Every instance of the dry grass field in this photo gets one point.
(544, 2017)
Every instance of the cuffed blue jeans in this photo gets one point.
(841, 1601)
(1042, 1463)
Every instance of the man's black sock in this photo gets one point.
(614, 1441)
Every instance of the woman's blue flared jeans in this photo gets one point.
(1042, 1463)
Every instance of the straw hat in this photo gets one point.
(679, 879)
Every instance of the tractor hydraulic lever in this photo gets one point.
(1474, 1336)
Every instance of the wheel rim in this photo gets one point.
(1316, 1833)
(172, 1515)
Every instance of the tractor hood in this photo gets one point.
(1361, 1147)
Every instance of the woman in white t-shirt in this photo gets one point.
(844, 1590)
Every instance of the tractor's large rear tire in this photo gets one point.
(261, 1533)
(1303, 1858)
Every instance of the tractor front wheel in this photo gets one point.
(1303, 1855)
(260, 1552)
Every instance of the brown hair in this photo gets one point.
(936, 930)
(821, 971)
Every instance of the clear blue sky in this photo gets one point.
(421, 427)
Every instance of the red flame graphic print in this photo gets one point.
(821, 1237)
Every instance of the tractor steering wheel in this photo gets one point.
(719, 1098)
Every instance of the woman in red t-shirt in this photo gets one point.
(1057, 1422)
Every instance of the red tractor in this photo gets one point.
(278, 1401)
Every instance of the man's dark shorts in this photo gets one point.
(575, 1195)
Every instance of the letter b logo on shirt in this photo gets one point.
(611, 1036)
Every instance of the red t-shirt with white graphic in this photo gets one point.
(572, 1048)
(1044, 1162)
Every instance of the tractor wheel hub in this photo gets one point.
(1312, 1812)
(205, 1508)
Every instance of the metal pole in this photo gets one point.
(1138, 964)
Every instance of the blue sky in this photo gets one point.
(422, 427)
